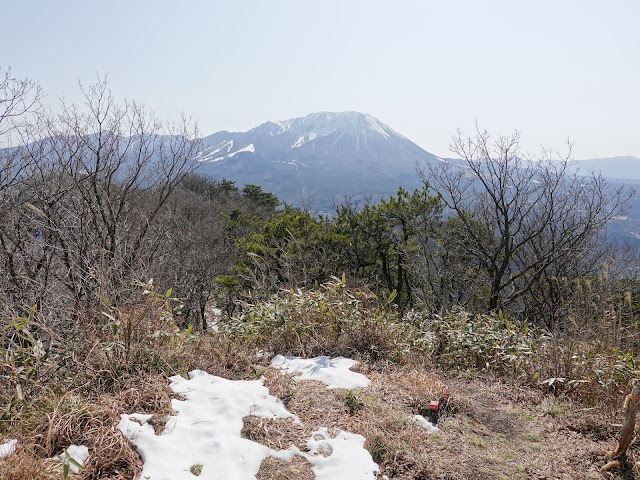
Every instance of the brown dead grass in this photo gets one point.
(56, 423)
(217, 356)
(491, 431)
(111, 456)
(278, 434)
(84, 403)
(276, 469)
(384, 420)
(148, 394)
(25, 464)
(53, 422)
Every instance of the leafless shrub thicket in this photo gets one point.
(85, 197)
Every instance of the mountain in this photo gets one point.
(627, 168)
(315, 159)
(619, 171)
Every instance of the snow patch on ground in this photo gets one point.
(334, 372)
(346, 457)
(79, 453)
(206, 432)
(7, 448)
(423, 422)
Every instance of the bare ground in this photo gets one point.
(490, 430)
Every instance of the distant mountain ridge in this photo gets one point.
(623, 167)
(351, 142)
(317, 160)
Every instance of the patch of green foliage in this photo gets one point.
(331, 320)
(382, 244)
(353, 401)
(512, 348)
(463, 340)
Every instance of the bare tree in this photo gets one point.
(523, 220)
(19, 101)
(100, 177)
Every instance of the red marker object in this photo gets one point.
(434, 407)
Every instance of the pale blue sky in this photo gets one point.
(550, 68)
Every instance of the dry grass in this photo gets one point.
(329, 320)
(275, 469)
(495, 431)
(111, 456)
(148, 394)
(394, 441)
(82, 404)
(55, 422)
(492, 431)
(384, 419)
(80, 400)
(25, 465)
(222, 357)
(277, 434)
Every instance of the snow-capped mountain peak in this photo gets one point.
(334, 133)
(318, 138)
(324, 123)
(315, 156)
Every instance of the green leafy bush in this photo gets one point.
(330, 320)
(461, 340)
(513, 349)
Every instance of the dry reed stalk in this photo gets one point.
(631, 404)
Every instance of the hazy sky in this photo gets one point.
(550, 68)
